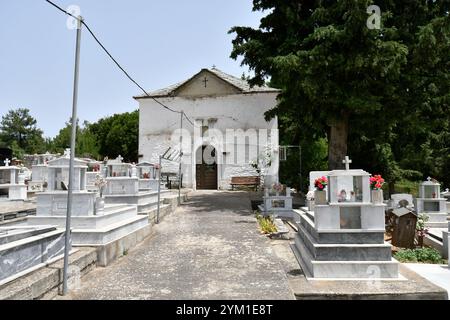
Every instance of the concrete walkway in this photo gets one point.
(436, 273)
(210, 248)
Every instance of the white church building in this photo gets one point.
(223, 131)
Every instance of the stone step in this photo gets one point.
(361, 270)
(142, 198)
(113, 207)
(110, 216)
(148, 206)
(439, 225)
(344, 252)
(23, 254)
(11, 234)
(110, 233)
(437, 217)
(338, 236)
(277, 212)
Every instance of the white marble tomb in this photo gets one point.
(123, 187)
(344, 238)
(91, 226)
(277, 204)
(12, 183)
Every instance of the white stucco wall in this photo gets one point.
(235, 111)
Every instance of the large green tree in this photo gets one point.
(19, 131)
(349, 83)
(86, 141)
(118, 135)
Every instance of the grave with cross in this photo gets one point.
(343, 236)
(53, 201)
(117, 168)
(121, 178)
(93, 223)
(12, 184)
(124, 185)
(431, 203)
(148, 175)
(277, 203)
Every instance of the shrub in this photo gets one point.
(423, 255)
(406, 255)
(266, 224)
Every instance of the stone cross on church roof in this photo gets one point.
(238, 84)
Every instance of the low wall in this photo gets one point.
(46, 282)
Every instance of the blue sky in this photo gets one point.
(158, 42)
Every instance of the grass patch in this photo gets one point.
(420, 255)
(266, 224)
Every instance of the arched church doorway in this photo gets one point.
(206, 168)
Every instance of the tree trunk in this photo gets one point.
(391, 188)
(337, 142)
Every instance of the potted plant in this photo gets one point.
(421, 229)
(320, 196)
(100, 183)
(376, 183)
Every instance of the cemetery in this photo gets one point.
(317, 168)
(110, 229)
(347, 231)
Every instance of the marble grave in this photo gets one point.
(12, 183)
(123, 187)
(90, 226)
(344, 239)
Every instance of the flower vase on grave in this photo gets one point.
(99, 205)
(377, 196)
(376, 182)
(320, 197)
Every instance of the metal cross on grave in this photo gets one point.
(205, 81)
(7, 162)
(347, 162)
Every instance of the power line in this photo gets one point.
(119, 66)
(115, 61)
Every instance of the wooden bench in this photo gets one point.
(245, 181)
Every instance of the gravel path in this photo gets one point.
(210, 248)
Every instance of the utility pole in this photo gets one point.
(181, 157)
(67, 246)
(159, 189)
